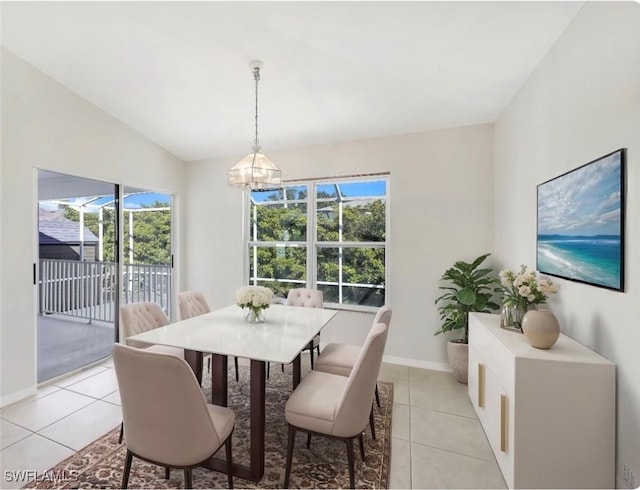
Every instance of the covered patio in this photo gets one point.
(66, 344)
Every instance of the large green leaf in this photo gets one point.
(466, 296)
(467, 288)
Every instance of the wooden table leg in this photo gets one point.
(296, 371)
(257, 414)
(255, 471)
(219, 380)
(194, 358)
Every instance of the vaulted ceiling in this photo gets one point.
(177, 72)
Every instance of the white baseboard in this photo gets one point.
(403, 361)
(17, 396)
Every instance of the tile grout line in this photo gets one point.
(68, 415)
(447, 413)
(94, 400)
(58, 443)
(81, 380)
(453, 452)
(21, 439)
(63, 377)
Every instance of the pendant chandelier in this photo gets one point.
(255, 172)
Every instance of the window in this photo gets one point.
(335, 241)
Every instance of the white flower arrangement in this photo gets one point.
(255, 298)
(525, 287)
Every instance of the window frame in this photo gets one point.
(312, 244)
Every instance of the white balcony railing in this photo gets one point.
(87, 289)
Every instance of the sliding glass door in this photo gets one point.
(77, 272)
(147, 259)
(80, 283)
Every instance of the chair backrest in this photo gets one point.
(165, 414)
(383, 316)
(309, 298)
(192, 303)
(357, 398)
(136, 318)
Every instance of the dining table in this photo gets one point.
(286, 331)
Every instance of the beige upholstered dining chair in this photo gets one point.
(337, 406)
(307, 298)
(340, 358)
(168, 421)
(137, 318)
(193, 303)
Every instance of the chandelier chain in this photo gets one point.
(256, 77)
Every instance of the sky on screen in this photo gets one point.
(586, 201)
(349, 189)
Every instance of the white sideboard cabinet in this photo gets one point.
(549, 415)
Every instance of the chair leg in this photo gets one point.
(352, 483)
(229, 462)
(188, 483)
(282, 367)
(268, 370)
(292, 440)
(371, 424)
(311, 353)
(377, 396)
(167, 472)
(318, 349)
(235, 361)
(121, 433)
(127, 469)
(209, 364)
(308, 440)
(361, 446)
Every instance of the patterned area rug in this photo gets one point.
(100, 464)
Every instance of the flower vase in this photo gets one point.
(511, 316)
(541, 328)
(254, 315)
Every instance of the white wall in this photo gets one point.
(441, 197)
(47, 126)
(582, 102)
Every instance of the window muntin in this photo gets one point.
(335, 242)
(352, 275)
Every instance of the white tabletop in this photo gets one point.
(286, 331)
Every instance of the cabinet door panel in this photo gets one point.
(498, 424)
(495, 354)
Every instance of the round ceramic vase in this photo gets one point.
(541, 328)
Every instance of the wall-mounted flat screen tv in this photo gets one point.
(581, 223)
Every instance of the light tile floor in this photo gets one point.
(437, 441)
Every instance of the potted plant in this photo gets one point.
(467, 288)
